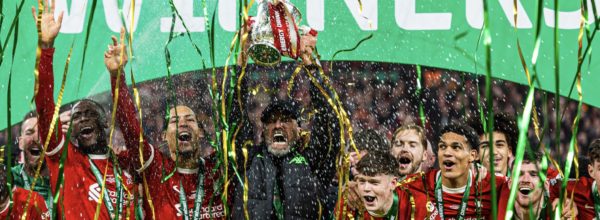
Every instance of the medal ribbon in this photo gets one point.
(596, 200)
(28, 186)
(197, 200)
(393, 213)
(440, 201)
(119, 186)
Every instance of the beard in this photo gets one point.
(279, 152)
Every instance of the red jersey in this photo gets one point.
(37, 206)
(344, 212)
(422, 190)
(80, 193)
(583, 197)
(166, 195)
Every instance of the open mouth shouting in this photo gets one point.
(35, 151)
(279, 137)
(184, 137)
(448, 164)
(87, 132)
(525, 190)
(405, 162)
(369, 200)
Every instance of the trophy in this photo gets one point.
(275, 32)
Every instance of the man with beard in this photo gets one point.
(377, 190)
(88, 166)
(286, 178)
(505, 135)
(584, 190)
(452, 192)
(15, 208)
(193, 191)
(23, 174)
(409, 147)
(533, 200)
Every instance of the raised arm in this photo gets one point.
(115, 59)
(325, 132)
(44, 99)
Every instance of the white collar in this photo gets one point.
(98, 156)
(454, 190)
(187, 171)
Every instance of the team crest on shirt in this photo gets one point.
(429, 206)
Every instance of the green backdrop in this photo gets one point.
(428, 32)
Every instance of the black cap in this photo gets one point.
(283, 107)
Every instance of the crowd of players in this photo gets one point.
(288, 175)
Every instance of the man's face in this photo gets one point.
(409, 151)
(88, 125)
(376, 192)
(502, 152)
(281, 132)
(594, 170)
(29, 142)
(528, 192)
(183, 131)
(455, 155)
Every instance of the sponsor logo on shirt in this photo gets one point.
(94, 195)
(212, 212)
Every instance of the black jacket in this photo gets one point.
(305, 175)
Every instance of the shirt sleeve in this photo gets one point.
(45, 106)
(130, 126)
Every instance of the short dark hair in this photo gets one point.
(503, 123)
(370, 140)
(533, 157)
(284, 107)
(464, 130)
(420, 131)
(376, 163)
(594, 151)
(102, 113)
(30, 114)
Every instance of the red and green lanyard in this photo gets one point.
(106, 197)
(440, 201)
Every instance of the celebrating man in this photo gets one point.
(15, 208)
(533, 200)
(409, 147)
(287, 179)
(453, 192)
(505, 135)
(92, 181)
(377, 190)
(584, 190)
(23, 174)
(194, 189)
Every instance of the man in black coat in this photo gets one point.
(288, 178)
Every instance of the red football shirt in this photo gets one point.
(422, 190)
(166, 195)
(37, 206)
(80, 193)
(344, 212)
(583, 195)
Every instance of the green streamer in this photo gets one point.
(487, 41)
(85, 43)
(187, 31)
(523, 129)
(420, 97)
(10, 30)
(349, 50)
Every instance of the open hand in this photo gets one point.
(49, 27)
(115, 56)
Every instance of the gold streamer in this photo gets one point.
(53, 121)
(536, 123)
